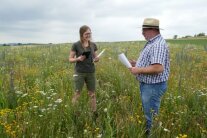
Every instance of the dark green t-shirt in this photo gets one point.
(86, 66)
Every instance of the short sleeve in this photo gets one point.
(95, 47)
(73, 48)
(158, 54)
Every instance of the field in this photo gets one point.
(36, 86)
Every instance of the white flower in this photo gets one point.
(51, 90)
(99, 135)
(105, 110)
(85, 131)
(166, 130)
(40, 115)
(160, 123)
(35, 106)
(55, 105)
(53, 94)
(58, 101)
(19, 92)
(42, 92)
(24, 95)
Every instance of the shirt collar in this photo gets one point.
(154, 38)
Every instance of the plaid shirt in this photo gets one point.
(155, 51)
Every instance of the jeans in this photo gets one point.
(151, 97)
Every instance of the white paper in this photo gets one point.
(124, 60)
(101, 53)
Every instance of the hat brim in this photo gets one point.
(156, 27)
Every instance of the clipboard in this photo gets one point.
(87, 53)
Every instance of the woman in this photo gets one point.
(84, 53)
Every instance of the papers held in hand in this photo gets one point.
(87, 53)
(124, 60)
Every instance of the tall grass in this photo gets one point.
(36, 86)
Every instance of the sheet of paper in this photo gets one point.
(124, 60)
(101, 53)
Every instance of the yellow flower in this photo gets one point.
(184, 136)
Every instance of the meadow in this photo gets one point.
(36, 86)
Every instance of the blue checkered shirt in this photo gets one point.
(155, 51)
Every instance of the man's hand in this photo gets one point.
(132, 62)
(135, 70)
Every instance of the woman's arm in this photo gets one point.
(73, 59)
(95, 55)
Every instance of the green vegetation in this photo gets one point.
(36, 86)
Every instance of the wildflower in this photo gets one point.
(97, 129)
(99, 135)
(160, 124)
(105, 110)
(53, 94)
(58, 101)
(184, 136)
(19, 92)
(42, 92)
(139, 122)
(24, 95)
(166, 130)
(43, 109)
(85, 131)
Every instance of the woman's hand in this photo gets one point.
(81, 58)
(96, 59)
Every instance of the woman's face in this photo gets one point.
(87, 35)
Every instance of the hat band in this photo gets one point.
(150, 26)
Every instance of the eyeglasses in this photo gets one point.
(87, 34)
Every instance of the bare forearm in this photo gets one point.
(152, 69)
(73, 60)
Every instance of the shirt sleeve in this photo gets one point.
(95, 47)
(73, 48)
(158, 54)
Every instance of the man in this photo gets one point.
(152, 69)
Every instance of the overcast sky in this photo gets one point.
(58, 21)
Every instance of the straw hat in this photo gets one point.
(151, 23)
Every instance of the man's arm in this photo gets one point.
(152, 69)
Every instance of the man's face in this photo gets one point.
(147, 32)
